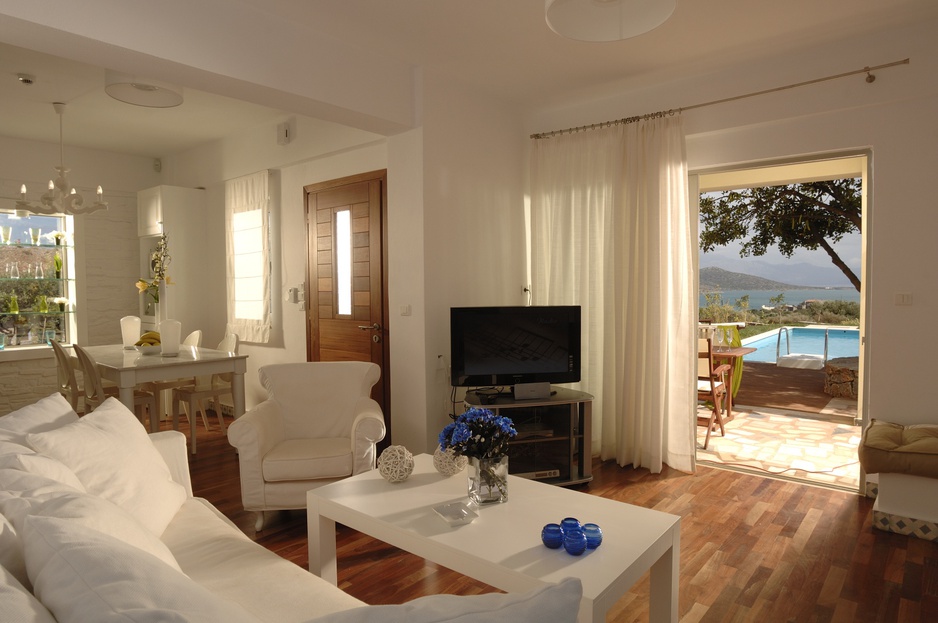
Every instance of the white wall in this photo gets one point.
(893, 117)
(320, 151)
(455, 226)
(473, 211)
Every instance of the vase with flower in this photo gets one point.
(483, 437)
(154, 286)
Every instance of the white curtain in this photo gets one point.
(611, 232)
(248, 254)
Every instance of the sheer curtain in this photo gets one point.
(611, 231)
(248, 254)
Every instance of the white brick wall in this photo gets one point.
(26, 381)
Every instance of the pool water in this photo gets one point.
(804, 340)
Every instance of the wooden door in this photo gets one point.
(346, 283)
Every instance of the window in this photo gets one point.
(246, 206)
(343, 261)
(35, 284)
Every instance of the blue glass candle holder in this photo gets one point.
(552, 536)
(594, 535)
(574, 541)
(570, 523)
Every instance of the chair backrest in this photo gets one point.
(91, 378)
(704, 358)
(316, 398)
(228, 344)
(67, 385)
(193, 339)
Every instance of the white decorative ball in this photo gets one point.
(396, 464)
(448, 462)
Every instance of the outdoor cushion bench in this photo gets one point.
(906, 459)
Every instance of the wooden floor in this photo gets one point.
(752, 548)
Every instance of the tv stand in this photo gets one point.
(554, 434)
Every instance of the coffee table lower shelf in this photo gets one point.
(502, 547)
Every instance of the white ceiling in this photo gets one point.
(501, 47)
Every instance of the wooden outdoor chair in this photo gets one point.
(711, 387)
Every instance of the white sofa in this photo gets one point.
(98, 523)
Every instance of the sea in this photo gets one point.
(758, 298)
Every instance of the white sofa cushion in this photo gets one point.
(43, 466)
(18, 489)
(99, 514)
(557, 603)
(11, 552)
(17, 604)
(84, 575)
(308, 459)
(217, 555)
(46, 414)
(113, 457)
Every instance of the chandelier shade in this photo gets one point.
(606, 20)
(61, 197)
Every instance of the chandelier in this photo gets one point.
(61, 197)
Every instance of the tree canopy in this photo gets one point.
(811, 215)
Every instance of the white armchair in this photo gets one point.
(318, 425)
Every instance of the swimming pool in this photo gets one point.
(805, 340)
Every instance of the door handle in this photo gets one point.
(374, 327)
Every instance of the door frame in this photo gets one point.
(865, 171)
(380, 175)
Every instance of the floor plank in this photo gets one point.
(752, 548)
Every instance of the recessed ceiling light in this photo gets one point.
(142, 91)
(606, 20)
(26, 78)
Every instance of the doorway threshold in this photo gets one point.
(787, 445)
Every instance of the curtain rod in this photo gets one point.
(664, 113)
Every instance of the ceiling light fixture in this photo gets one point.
(141, 91)
(61, 198)
(606, 20)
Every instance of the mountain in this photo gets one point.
(801, 274)
(717, 279)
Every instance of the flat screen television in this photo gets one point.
(493, 346)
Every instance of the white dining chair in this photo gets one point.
(94, 394)
(213, 387)
(67, 385)
(158, 387)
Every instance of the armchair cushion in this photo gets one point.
(306, 459)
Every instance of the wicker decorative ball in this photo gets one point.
(448, 463)
(396, 464)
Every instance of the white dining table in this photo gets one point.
(130, 368)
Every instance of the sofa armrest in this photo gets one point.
(368, 429)
(254, 434)
(171, 445)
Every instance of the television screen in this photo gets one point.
(510, 345)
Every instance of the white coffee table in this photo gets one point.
(503, 546)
